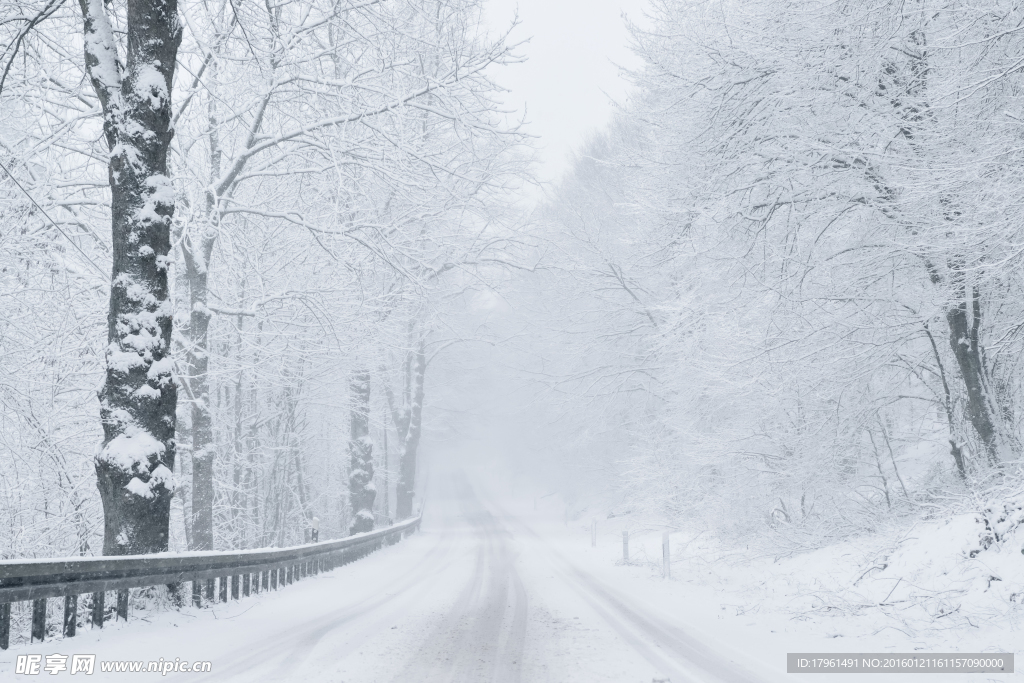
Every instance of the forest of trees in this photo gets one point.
(302, 188)
(779, 296)
(795, 266)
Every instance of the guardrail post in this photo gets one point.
(625, 546)
(666, 557)
(70, 615)
(38, 619)
(122, 604)
(5, 625)
(97, 608)
(67, 577)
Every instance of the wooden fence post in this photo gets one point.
(5, 625)
(38, 619)
(197, 592)
(122, 604)
(70, 615)
(98, 599)
(234, 586)
(246, 579)
(223, 581)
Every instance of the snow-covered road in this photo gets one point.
(477, 596)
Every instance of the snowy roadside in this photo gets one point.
(253, 645)
(951, 585)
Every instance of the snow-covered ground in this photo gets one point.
(500, 588)
(952, 585)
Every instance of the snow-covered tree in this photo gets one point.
(138, 400)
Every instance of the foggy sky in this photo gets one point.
(571, 77)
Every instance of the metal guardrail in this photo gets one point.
(248, 570)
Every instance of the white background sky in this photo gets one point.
(571, 70)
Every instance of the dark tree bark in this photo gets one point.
(964, 340)
(906, 90)
(197, 253)
(138, 398)
(408, 419)
(360, 452)
(405, 488)
(197, 258)
(947, 404)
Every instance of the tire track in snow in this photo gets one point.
(480, 640)
(296, 647)
(667, 647)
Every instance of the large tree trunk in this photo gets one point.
(947, 405)
(964, 340)
(138, 398)
(907, 90)
(406, 485)
(197, 254)
(360, 449)
(203, 449)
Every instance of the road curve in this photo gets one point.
(476, 597)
